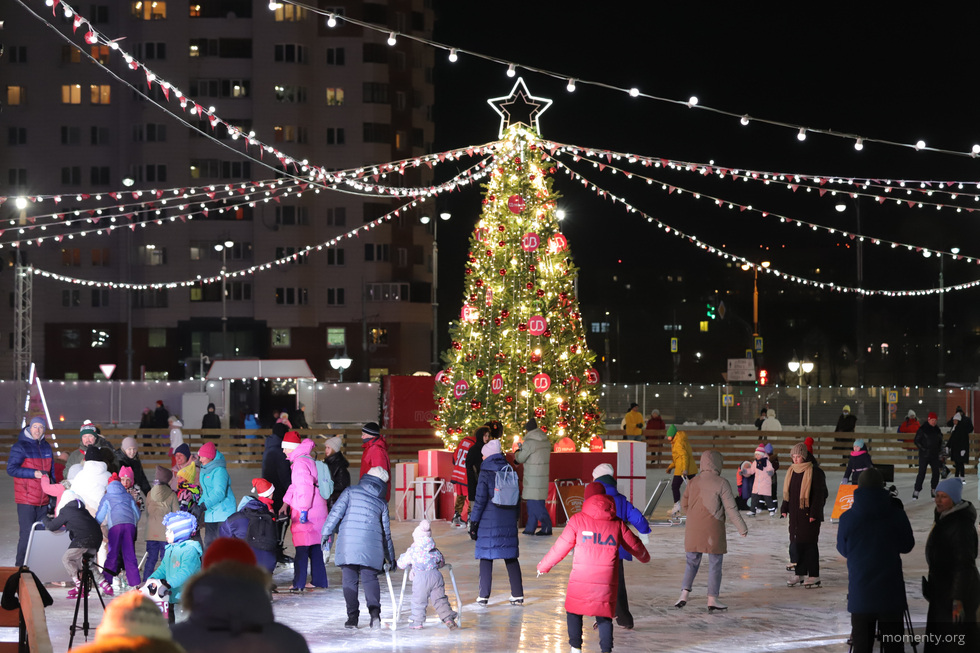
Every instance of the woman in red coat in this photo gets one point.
(375, 452)
(596, 535)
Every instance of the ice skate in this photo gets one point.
(351, 620)
(575, 650)
(450, 623)
(415, 626)
(482, 600)
(714, 605)
(915, 494)
(457, 521)
(772, 512)
(811, 583)
(681, 602)
(516, 600)
(750, 513)
(794, 581)
(676, 510)
(106, 588)
(75, 591)
(375, 619)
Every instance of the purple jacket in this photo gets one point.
(303, 494)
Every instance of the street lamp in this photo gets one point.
(859, 322)
(755, 293)
(341, 362)
(445, 215)
(800, 369)
(223, 248)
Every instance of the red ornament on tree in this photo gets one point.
(529, 285)
(530, 268)
(522, 327)
(540, 412)
(591, 376)
(530, 242)
(541, 382)
(503, 272)
(540, 293)
(460, 389)
(479, 283)
(516, 204)
(522, 369)
(537, 325)
(508, 399)
(501, 228)
(563, 407)
(475, 405)
(505, 314)
(535, 358)
(496, 384)
(547, 333)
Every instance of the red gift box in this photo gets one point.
(447, 503)
(436, 463)
(405, 474)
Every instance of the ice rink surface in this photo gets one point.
(763, 614)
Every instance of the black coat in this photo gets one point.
(951, 553)
(84, 531)
(340, 473)
(846, 423)
(160, 418)
(139, 476)
(474, 461)
(276, 470)
(929, 441)
(801, 529)
(959, 438)
(210, 421)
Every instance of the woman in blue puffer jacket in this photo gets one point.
(495, 529)
(364, 546)
(216, 493)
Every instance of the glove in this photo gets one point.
(645, 538)
(386, 567)
(473, 528)
(303, 516)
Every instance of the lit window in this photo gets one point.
(100, 339)
(100, 53)
(336, 337)
(289, 13)
(335, 97)
(378, 336)
(195, 11)
(156, 337)
(150, 10)
(15, 95)
(71, 94)
(101, 93)
(280, 338)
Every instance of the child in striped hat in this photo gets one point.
(182, 557)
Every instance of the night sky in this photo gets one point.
(893, 76)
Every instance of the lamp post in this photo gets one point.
(755, 293)
(445, 215)
(223, 248)
(859, 317)
(800, 369)
(341, 362)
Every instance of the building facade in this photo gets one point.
(339, 97)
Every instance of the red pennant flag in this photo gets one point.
(53, 5)
(75, 24)
(113, 195)
(821, 192)
(166, 91)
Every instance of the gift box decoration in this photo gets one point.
(405, 474)
(425, 497)
(436, 463)
(631, 470)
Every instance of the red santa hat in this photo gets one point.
(262, 487)
(290, 441)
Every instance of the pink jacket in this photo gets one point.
(303, 494)
(762, 484)
(596, 535)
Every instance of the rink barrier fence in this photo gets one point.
(29, 619)
(244, 448)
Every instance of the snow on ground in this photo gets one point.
(763, 615)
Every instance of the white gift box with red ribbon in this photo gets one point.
(425, 497)
(405, 474)
(631, 470)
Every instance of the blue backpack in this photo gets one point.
(324, 481)
(506, 488)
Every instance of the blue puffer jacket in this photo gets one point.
(625, 511)
(181, 560)
(216, 492)
(117, 506)
(361, 513)
(496, 536)
(872, 535)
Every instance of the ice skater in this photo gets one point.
(120, 514)
(762, 472)
(428, 585)
(859, 461)
(596, 535)
(804, 496)
(706, 503)
(682, 464)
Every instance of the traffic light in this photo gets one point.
(711, 311)
(763, 377)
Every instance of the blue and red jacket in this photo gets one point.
(26, 456)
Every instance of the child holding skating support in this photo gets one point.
(120, 514)
(428, 585)
(181, 559)
(762, 472)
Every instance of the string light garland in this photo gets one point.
(721, 202)
(744, 119)
(721, 252)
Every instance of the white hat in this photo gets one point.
(957, 417)
(379, 472)
(491, 448)
(605, 469)
(133, 615)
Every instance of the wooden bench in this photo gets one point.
(29, 619)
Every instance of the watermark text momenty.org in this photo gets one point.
(921, 638)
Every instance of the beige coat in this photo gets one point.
(706, 502)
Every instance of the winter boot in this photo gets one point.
(375, 618)
(450, 623)
(517, 600)
(457, 520)
(772, 512)
(714, 605)
(351, 620)
(681, 602)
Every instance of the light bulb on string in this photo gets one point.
(634, 92)
(453, 57)
(859, 144)
(802, 135)
(920, 145)
(692, 102)
(510, 70)
(331, 20)
(744, 120)
(391, 38)
(571, 85)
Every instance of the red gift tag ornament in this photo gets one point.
(557, 243)
(496, 384)
(537, 325)
(530, 242)
(516, 204)
(460, 389)
(591, 376)
(541, 382)
(469, 313)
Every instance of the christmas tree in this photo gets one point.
(518, 349)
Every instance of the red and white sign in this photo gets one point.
(591, 376)
(565, 445)
(557, 243)
(460, 389)
(440, 376)
(469, 313)
(496, 384)
(107, 369)
(541, 382)
(537, 325)
(516, 204)
(530, 242)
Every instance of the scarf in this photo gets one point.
(806, 469)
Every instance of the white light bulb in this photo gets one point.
(510, 70)
(274, 5)
(391, 38)
(802, 135)
(571, 85)
(634, 92)
(453, 57)
(919, 145)
(20, 203)
(859, 144)
(976, 149)
(744, 120)
(693, 102)
(331, 20)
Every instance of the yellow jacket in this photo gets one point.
(683, 462)
(633, 423)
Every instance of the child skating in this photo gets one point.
(762, 472)
(120, 514)
(428, 585)
(181, 559)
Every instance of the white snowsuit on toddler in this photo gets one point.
(428, 585)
